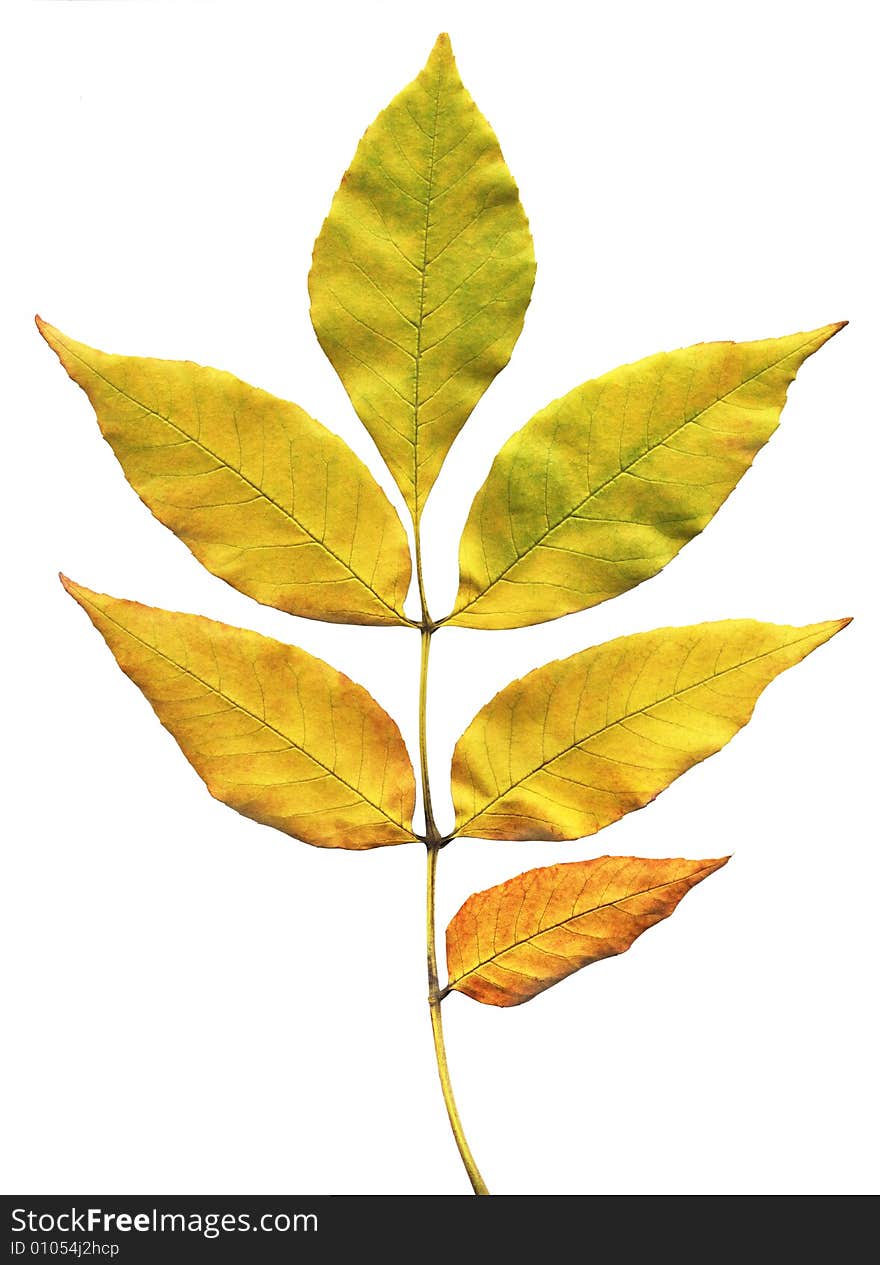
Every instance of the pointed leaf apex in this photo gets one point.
(442, 54)
(50, 334)
(712, 866)
(76, 591)
(830, 628)
(828, 331)
(71, 586)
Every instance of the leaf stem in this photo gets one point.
(432, 834)
(434, 998)
(427, 624)
(434, 842)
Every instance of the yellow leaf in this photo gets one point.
(275, 733)
(578, 743)
(264, 496)
(422, 272)
(604, 486)
(507, 944)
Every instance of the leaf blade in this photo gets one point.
(422, 272)
(576, 744)
(258, 491)
(603, 487)
(305, 767)
(550, 922)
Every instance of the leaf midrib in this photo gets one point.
(715, 676)
(261, 720)
(423, 283)
(239, 474)
(586, 913)
(594, 492)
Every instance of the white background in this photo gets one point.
(198, 1004)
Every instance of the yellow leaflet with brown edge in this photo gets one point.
(422, 272)
(264, 496)
(509, 943)
(604, 486)
(578, 743)
(275, 733)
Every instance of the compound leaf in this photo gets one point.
(604, 486)
(507, 944)
(264, 496)
(275, 733)
(422, 272)
(578, 743)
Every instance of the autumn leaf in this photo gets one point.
(273, 732)
(580, 742)
(422, 272)
(264, 496)
(507, 944)
(420, 280)
(604, 486)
